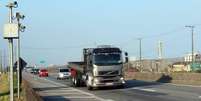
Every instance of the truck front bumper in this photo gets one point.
(117, 81)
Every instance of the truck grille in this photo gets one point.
(108, 72)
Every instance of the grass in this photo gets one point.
(4, 88)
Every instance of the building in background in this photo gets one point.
(188, 57)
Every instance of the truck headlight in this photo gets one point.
(96, 80)
(122, 80)
(61, 75)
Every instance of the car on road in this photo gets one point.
(35, 71)
(63, 73)
(43, 73)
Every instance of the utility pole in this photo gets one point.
(160, 46)
(192, 42)
(20, 29)
(10, 42)
(140, 52)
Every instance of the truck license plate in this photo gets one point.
(109, 83)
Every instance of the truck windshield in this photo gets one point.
(64, 70)
(107, 59)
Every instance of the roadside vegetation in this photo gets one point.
(4, 89)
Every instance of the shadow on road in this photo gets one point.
(49, 88)
(54, 98)
(131, 84)
(165, 79)
(140, 83)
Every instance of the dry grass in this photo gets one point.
(4, 89)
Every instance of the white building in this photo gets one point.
(188, 57)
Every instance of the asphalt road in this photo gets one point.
(59, 90)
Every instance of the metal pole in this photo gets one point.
(10, 42)
(192, 29)
(140, 47)
(11, 68)
(18, 62)
(192, 36)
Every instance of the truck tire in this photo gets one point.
(88, 86)
(121, 86)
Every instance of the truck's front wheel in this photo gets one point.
(88, 86)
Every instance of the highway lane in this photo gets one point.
(134, 91)
(144, 91)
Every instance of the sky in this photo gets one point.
(57, 31)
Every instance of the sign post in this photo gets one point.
(10, 33)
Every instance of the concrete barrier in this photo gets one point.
(177, 78)
(31, 95)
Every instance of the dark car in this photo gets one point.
(35, 71)
(43, 73)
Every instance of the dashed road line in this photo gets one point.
(183, 85)
(144, 89)
(199, 97)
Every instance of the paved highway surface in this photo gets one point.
(59, 90)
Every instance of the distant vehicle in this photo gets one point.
(63, 73)
(35, 71)
(43, 73)
(28, 69)
(101, 67)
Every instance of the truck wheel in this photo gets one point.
(88, 86)
(121, 86)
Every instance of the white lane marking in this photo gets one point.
(79, 97)
(61, 90)
(144, 89)
(199, 97)
(63, 93)
(94, 96)
(109, 100)
(182, 85)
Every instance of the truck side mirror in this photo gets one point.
(126, 54)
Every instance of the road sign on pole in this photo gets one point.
(10, 31)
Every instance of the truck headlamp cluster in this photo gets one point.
(96, 80)
(61, 75)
